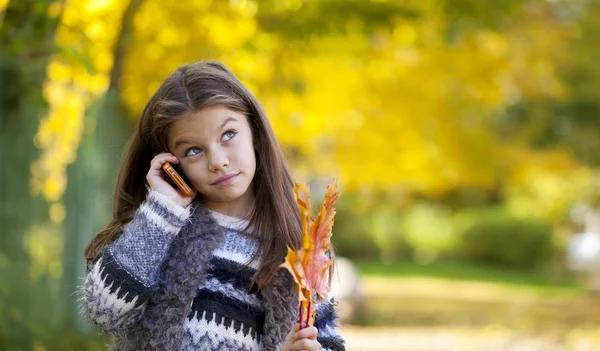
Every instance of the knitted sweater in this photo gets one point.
(224, 314)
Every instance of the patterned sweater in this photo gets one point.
(225, 314)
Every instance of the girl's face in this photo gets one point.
(216, 153)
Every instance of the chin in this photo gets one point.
(228, 195)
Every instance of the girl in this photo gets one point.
(202, 273)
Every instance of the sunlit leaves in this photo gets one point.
(405, 106)
(169, 34)
(400, 97)
(45, 246)
(76, 76)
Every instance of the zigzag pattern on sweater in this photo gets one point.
(210, 331)
(107, 300)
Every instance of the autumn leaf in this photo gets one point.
(310, 263)
(320, 241)
(293, 263)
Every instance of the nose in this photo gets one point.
(218, 160)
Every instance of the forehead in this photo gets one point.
(206, 121)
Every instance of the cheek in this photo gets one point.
(194, 171)
(253, 159)
(243, 154)
(250, 154)
(252, 168)
(250, 159)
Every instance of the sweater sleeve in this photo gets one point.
(125, 274)
(327, 324)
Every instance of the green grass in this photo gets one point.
(468, 272)
(454, 293)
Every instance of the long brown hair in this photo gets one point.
(189, 89)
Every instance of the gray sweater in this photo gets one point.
(177, 279)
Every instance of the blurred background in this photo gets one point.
(465, 135)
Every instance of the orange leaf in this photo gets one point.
(309, 264)
(320, 235)
(293, 264)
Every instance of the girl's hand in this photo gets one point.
(301, 340)
(157, 179)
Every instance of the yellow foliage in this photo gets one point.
(3, 4)
(57, 212)
(546, 185)
(411, 110)
(89, 27)
(55, 9)
(400, 107)
(166, 36)
(45, 246)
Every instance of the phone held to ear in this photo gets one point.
(187, 191)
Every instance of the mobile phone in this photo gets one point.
(177, 179)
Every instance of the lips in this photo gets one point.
(224, 178)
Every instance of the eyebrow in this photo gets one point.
(189, 141)
(229, 119)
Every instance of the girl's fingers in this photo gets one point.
(302, 339)
(307, 333)
(292, 334)
(306, 344)
(158, 179)
(160, 159)
(290, 338)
